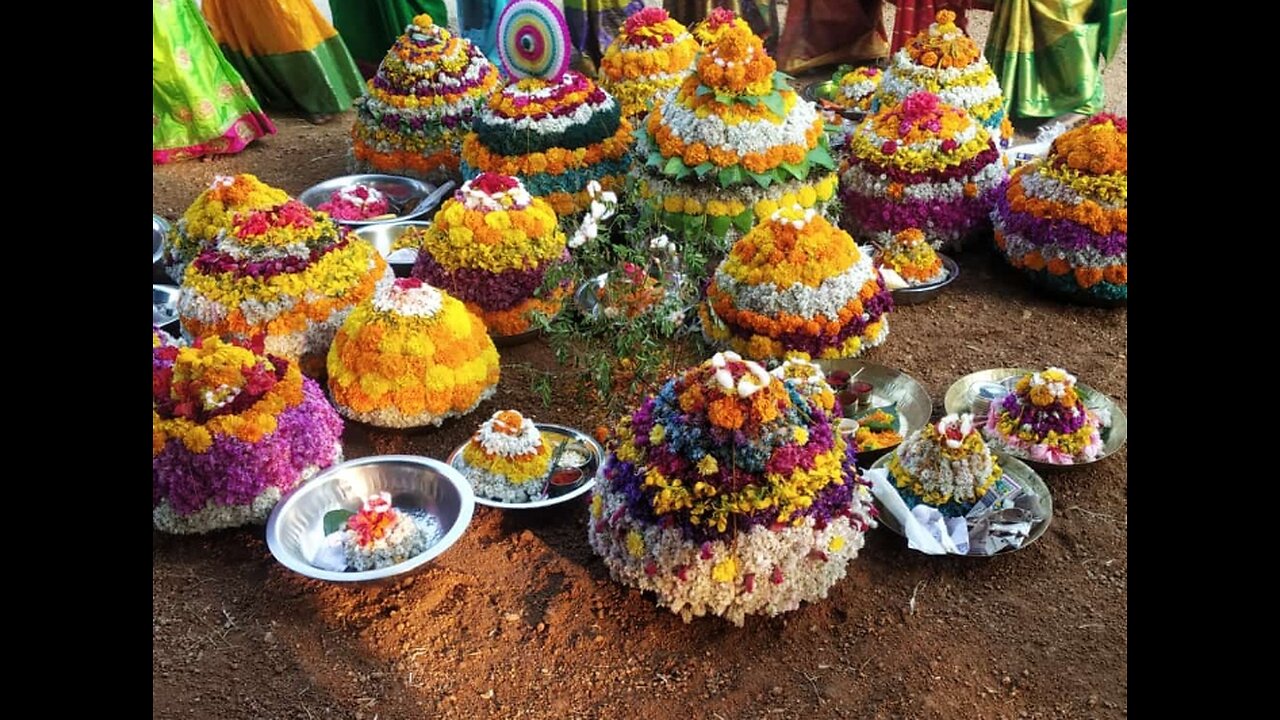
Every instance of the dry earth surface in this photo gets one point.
(520, 620)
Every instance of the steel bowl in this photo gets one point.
(553, 434)
(889, 386)
(295, 530)
(922, 293)
(164, 307)
(824, 93)
(962, 393)
(1020, 472)
(410, 199)
(159, 231)
(384, 236)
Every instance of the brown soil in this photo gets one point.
(520, 620)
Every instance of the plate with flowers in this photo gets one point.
(1043, 417)
(514, 463)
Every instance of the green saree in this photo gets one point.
(199, 103)
(1046, 53)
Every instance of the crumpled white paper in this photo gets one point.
(331, 555)
(1003, 520)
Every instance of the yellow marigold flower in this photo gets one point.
(725, 570)
(597, 506)
(708, 465)
(836, 544)
(635, 544)
(657, 434)
(801, 435)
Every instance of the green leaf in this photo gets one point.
(763, 179)
(673, 221)
(879, 425)
(751, 100)
(798, 170)
(820, 156)
(694, 223)
(703, 90)
(729, 176)
(720, 225)
(654, 159)
(704, 168)
(744, 221)
(335, 520)
(724, 98)
(673, 166)
(683, 171)
(773, 101)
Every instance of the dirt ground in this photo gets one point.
(520, 620)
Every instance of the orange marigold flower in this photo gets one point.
(1087, 277)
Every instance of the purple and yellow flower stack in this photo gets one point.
(730, 493)
(231, 431)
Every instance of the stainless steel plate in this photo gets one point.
(410, 199)
(159, 231)
(889, 386)
(164, 305)
(922, 293)
(295, 529)
(960, 396)
(552, 434)
(1024, 476)
(383, 237)
(824, 92)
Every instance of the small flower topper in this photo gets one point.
(410, 297)
(955, 428)
(509, 434)
(603, 206)
(756, 379)
(490, 192)
(797, 216)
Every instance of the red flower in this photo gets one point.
(370, 527)
(720, 16)
(409, 283)
(644, 18)
(493, 183)
(889, 147)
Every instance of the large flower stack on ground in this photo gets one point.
(231, 431)
(420, 104)
(411, 356)
(1045, 419)
(287, 274)
(556, 135)
(922, 164)
(1065, 219)
(797, 283)
(945, 465)
(490, 247)
(734, 143)
(944, 61)
(652, 55)
(730, 493)
(211, 215)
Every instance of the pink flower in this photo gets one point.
(889, 147)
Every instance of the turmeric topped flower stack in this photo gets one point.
(411, 356)
(508, 459)
(1065, 219)
(910, 256)
(420, 104)
(491, 246)
(651, 55)
(797, 283)
(287, 275)
(231, 431)
(557, 135)
(944, 61)
(922, 164)
(733, 144)
(730, 493)
(211, 215)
